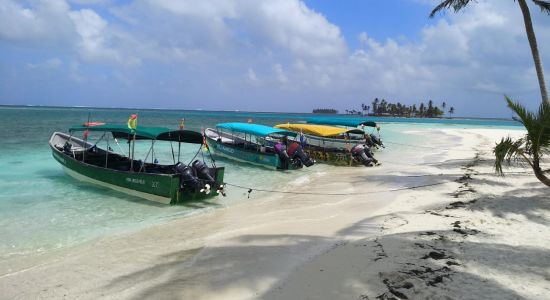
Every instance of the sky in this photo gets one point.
(268, 55)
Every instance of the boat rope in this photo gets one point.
(251, 189)
(427, 147)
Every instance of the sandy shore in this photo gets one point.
(464, 234)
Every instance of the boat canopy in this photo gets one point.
(145, 133)
(254, 129)
(340, 122)
(318, 130)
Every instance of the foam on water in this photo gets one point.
(42, 209)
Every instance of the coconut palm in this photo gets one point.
(451, 111)
(532, 146)
(457, 5)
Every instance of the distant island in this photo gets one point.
(325, 111)
(385, 108)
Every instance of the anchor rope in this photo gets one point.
(251, 189)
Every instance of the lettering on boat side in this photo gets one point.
(135, 180)
(155, 184)
(227, 149)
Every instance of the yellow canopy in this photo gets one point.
(317, 130)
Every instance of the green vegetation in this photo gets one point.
(325, 111)
(530, 148)
(385, 108)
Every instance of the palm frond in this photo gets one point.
(455, 4)
(526, 117)
(544, 5)
(543, 118)
(506, 150)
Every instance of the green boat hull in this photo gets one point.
(163, 188)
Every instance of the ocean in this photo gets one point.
(43, 210)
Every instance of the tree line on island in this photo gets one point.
(385, 108)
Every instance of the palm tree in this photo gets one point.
(544, 6)
(375, 107)
(530, 148)
(443, 105)
(451, 111)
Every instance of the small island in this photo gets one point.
(386, 108)
(325, 111)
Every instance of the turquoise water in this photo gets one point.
(42, 209)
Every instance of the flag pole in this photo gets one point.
(133, 151)
(132, 125)
(86, 138)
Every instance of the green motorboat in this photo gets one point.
(168, 184)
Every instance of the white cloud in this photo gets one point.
(39, 22)
(279, 73)
(51, 63)
(251, 75)
(468, 59)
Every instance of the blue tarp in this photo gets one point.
(254, 129)
(340, 122)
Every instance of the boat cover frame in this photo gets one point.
(254, 129)
(340, 122)
(318, 130)
(145, 133)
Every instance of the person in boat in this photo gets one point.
(280, 149)
(292, 152)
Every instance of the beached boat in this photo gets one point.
(168, 184)
(342, 122)
(334, 145)
(256, 144)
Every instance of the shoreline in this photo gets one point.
(256, 248)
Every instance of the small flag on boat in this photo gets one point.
(86, 134)
(205, 144)
(132, 122)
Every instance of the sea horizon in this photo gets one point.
(251, 111)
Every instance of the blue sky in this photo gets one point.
(276, 55)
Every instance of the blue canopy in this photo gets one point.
(340, 122)
(254, 129)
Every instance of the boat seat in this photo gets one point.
(225, 140)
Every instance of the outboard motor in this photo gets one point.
(376, 141)
(298, 155)
(67, 147)
(188, 179)
(363, 155)
(280, 149)
(204, 173)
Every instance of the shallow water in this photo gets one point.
(42, 209)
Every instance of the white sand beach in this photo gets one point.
(462, 233)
